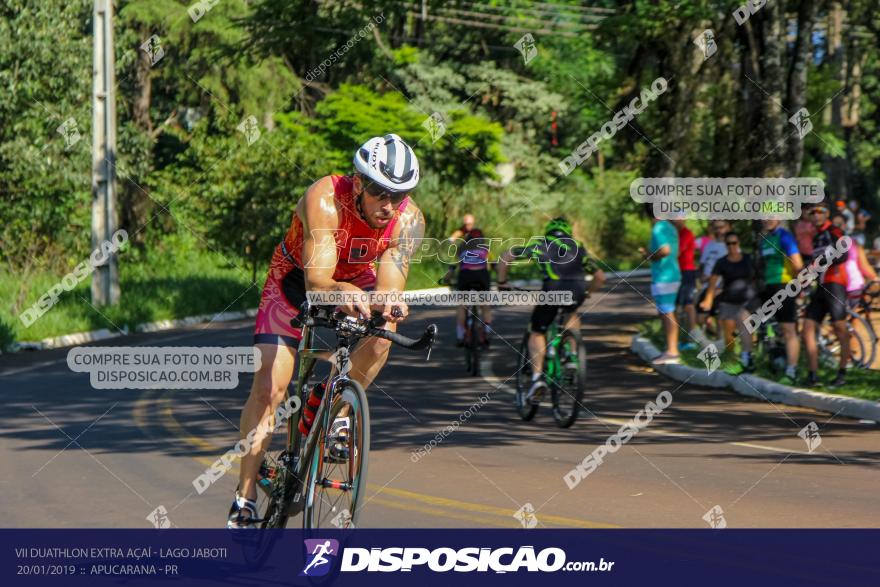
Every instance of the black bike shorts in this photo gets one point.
(687, 289)
(473, 280)
(787, 313)
(543, 316)
(828, 298)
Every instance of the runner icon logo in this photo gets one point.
(706, 43)
(810, 434)
(526, 516)
(321, 554)
(801, 121)
(715, 518)
(527, 47)
(342, 519)
(159, 518)
(709, 356)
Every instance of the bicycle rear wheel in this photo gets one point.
(568, 388)
(335, 487)
(829, 346)
(472, 338)
(524, 407)
(859, 326)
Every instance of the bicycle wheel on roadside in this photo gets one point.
(335, 482)
(525, 408)
(829, 346)
(567, 390)
(862, 341)
(863, 354)
(475, 335)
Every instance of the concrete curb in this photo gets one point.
(758, 387)
(78, 338)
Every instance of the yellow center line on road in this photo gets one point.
(434, 505)
(440, 513)
(487, 509)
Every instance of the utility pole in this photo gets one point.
(105, 280)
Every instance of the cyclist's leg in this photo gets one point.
(542, 318)
(787, 318)
(370, 355)
(572, 315)
(842, 331)
(835, 294)
(459, 323)
(267, 393)
(813, 317)
(810, 327)
(276, 339)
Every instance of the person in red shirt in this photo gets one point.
(829, 297)
(687, 246)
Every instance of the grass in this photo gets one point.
(860, 383)
(173, 279)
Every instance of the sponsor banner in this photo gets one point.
(436, 557)
(450, 298)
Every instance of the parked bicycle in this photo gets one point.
(863, 337)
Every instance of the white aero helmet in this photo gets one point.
(388, 162)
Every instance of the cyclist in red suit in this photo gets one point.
(348, 234)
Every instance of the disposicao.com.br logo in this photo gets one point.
(442, 560)
(320, 555)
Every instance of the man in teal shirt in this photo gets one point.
(665, 280)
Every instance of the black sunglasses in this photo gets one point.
(731, 243)
(377, 192)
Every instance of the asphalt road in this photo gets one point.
(74, 456)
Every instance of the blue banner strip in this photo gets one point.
(96, 558)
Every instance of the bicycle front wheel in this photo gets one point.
(568, 387)
(337, 475)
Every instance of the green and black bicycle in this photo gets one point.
(564, 372)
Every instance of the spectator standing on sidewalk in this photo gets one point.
(736, 269)
(710, 254)
(665, 280)
(687, 290)
(780, 263)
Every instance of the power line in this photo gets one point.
(486, 25)
(503, 19)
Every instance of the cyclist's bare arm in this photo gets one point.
(503, 263)
(797, 262)
(320, 220)
(406, 238)
(598, 280)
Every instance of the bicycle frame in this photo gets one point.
(299, 449)
(552, 365)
